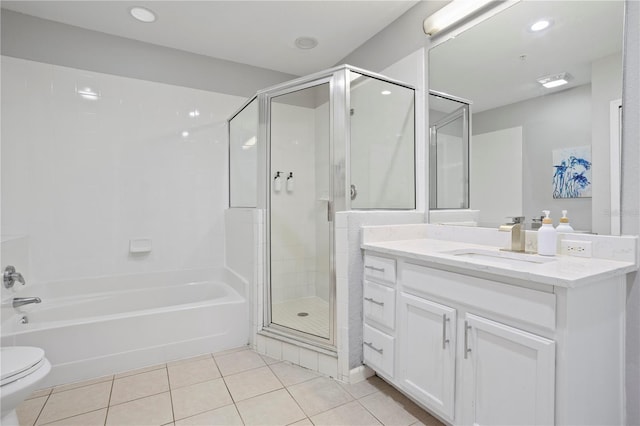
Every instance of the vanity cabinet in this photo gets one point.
(379, 311)
(427, 352)
(475, 350)
(508, 375)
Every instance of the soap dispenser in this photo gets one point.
(564, 226)
(547, 236)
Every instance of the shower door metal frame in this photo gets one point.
(333, 79)
(340, 179)
(463, 112)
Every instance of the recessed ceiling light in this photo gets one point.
(385, 92)
(143, 14)
(306, 43)
(540, 25)
(555, 80)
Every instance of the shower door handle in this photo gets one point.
(353, 192)
(329, 211)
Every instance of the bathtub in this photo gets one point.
(100, 326)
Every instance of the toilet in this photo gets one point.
(23, 367)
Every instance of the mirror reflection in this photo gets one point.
(524, 132)
(448, 151)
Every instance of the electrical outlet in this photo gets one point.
(575, 248)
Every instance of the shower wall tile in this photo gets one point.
(290, 353)
(273, 348)
(240, 240)
(261, 344)
(328, 365)
(309, 359)
(93, 160)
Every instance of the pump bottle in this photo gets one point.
(564, 225)
(547, 237)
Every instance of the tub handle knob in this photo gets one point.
(11, 276)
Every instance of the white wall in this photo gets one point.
(411, 69)
(41, 40)
(293, 231)
(558, 120)
(82, 177)
(382, 145)
(243, 157)
(495, 175)
(606, 86)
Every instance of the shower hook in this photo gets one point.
(277, 175)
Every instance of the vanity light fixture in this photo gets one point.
(193, 114)
(555, 80)
(143, 14)
(453, 13)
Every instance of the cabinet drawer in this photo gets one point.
(380, 268)
(521, 304)
(378, 350)
(379, 304)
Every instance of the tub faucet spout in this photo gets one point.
(21, 301)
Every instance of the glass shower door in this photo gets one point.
(300, 220)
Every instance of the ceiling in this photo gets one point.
(258, 33)
(498, 61)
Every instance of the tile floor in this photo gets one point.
(229, 388)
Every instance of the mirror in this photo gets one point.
(521, 132)
(448, 151)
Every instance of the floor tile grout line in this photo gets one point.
(70, 417)
(173, 413)
(232, 400)
(206, 411)
(106, 416)
(369, 411)
(292, 384)
(79, 387)
(41, 409)
(297, 403)
(241, 372)
(151, 367)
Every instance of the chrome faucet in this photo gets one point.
(10, 277)
(516, 227)
(21, 301)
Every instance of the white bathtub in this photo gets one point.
(94, 327)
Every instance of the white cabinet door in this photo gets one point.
(427, 353)
(507, 375)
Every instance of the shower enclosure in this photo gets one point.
(334, 141)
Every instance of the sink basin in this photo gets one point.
(500, 257)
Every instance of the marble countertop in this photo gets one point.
(560, 270)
